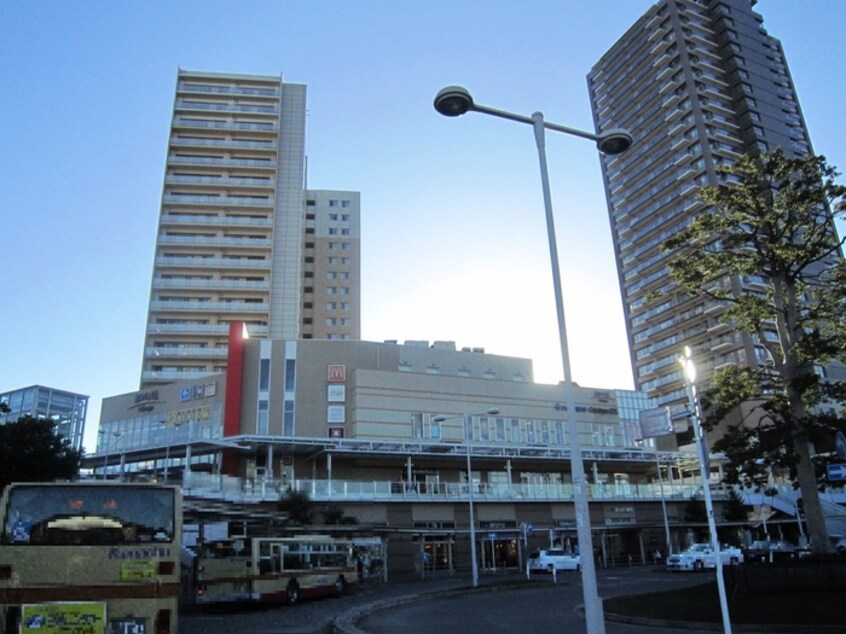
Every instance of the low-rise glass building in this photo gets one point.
(66, 409)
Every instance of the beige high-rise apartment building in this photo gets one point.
(240, 238)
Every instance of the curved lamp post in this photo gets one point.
(454, 101)
(686, 362)
(467, 427)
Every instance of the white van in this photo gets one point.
(559, 559)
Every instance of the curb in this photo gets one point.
(346, 623)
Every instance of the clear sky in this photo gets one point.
(453, 237)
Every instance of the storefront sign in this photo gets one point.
(336, 373)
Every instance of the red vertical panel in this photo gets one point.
(234, 383)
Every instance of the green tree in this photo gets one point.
(771, 222)
(734, 509)
(32, 451)
(297, 506)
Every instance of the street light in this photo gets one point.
(686, 362)
(468, 433)
(453, 101)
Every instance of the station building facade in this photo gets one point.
(401, 439)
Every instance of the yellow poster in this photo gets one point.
(137, 570)
(64, 618)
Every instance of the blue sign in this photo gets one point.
(836, 471)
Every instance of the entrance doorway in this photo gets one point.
(500, 553)
(436, 554)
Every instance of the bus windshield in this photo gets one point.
(88, 515)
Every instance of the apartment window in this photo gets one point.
(333, 203)
(333, 217)
(333, 231)
(290, 374)
(288, 418)
(345, 203)
(310, 203)
(331, 305)
(264, 374)
(261, 420)
(345, 217)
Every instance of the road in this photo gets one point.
(535, 608)
(505, 603)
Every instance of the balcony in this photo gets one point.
(160, 283)
(217, 307)
(223, 221)
(235, 489)
(219, 241)
(215, 263)
(220, 161)
(231, 201)
(220, 181)
(208, 124)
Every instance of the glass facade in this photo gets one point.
(66, 409)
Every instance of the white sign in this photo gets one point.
(336, 393)
(655, 422)
(336, 414)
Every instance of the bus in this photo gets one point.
(89, 558)
(274, 569)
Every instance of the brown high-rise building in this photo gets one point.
(698, 84)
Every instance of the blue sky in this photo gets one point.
(454, 240)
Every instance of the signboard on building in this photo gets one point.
(336, 414)
(336, 432)
(655, 422)
(336, 373)
(336, 393)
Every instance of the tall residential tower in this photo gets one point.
(698, 83)
(240, 238)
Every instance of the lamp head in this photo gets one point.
(453, 101)
(614, 141)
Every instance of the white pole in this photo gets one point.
(702, 450)
(474, 563)
(594, 617)
(663, 505)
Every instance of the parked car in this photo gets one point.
(702, 556)
(769, 551)
(559, 559)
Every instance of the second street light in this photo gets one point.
(689, 370)
(468, 436)
(454, 101)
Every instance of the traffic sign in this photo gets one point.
(836, 471)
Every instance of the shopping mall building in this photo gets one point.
(401, 440)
